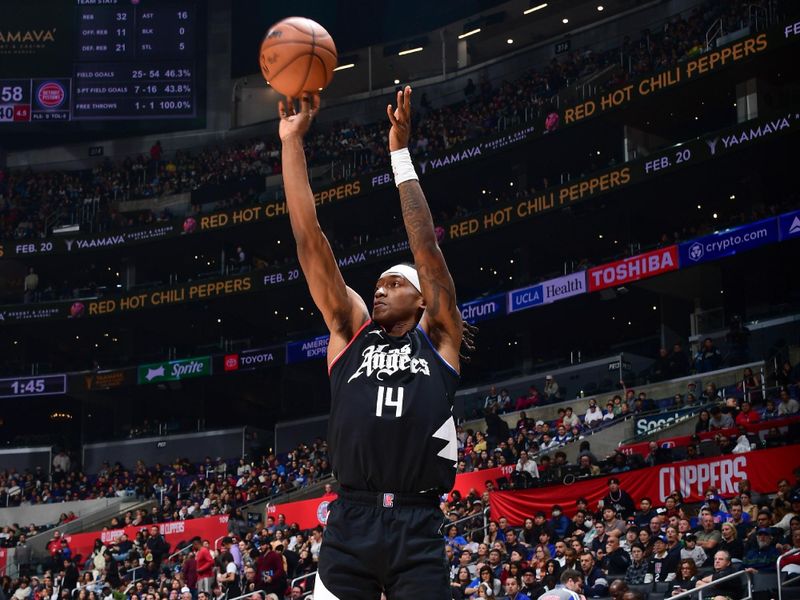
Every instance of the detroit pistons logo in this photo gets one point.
(51, 94)
(323, 513)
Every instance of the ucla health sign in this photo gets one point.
(527, 297)
(728, 242)
(547, 292)
(484, 308)
(564, 287)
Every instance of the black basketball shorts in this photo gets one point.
(389, 543)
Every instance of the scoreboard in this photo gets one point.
(129, 59)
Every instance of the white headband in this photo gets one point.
(408, 273)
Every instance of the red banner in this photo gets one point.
(763, 468)
(634, 268)
(306, 513)
(310, 513)
(3, 560)
(207, 528)
(643, 448)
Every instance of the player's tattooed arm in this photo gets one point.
(441, 320)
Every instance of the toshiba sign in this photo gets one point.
(633, 268)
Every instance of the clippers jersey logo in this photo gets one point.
(382, 363)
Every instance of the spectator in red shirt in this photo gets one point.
(205, 565)
(270, 571)
(747, 416)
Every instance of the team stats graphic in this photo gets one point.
(127, 59)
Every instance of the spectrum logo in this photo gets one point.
(231, 362)
(51, 94)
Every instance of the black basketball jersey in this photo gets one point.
(391, 427)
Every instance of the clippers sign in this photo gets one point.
(635, 268)
(762, 468)
(728, 242)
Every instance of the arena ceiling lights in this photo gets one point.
(469, 33)
(534, 8)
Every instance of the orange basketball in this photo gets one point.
(297, 55)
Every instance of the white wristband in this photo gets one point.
(402, 166)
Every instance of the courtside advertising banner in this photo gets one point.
(175, 533)
(763, 468)
(564, 287)
(490, 307)
(526, 297)
(728, 242)
(634, 268)
(307, 349)
(789, 225)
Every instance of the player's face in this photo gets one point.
(395, 299)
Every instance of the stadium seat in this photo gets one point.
(662, 586)
(765, 581)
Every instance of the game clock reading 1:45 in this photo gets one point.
(44, 385)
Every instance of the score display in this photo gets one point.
(44, 385)
(131, 59)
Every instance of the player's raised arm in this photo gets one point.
(441, 320)
(343, 309)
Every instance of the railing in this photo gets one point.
(179, 551)
(699, 591)
(786, 554)
(715, 31)
(297, 580)
(249, 594)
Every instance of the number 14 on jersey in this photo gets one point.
(391, 398)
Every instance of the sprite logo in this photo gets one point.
(175, 370)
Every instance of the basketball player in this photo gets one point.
(393, 374)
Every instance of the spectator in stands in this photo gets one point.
(787, 405)
(731, 588)
(491, 398)
(570, 418)
(205, 565)
(618, 499)
(719, 419)
(271, 571)
(31, 286)
(637, 570)
(747, 416)
(738, 517)
(593, 415)
(692, 551)
(769, 410)
(678, 365)
(686, 578)
(708, 358)
(763, 555)
(528, 465)
(710, 394)
(596, 582)
(730, 541)
(512, 588)
(616, 561)
(708, 538)
(659, 371)
(552, 392)
(558, 521)
(504, 402)
(662, 564)
(703, 422)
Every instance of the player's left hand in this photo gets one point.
(400, 118)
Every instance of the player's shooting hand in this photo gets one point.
(400, 118)
(296, 124)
